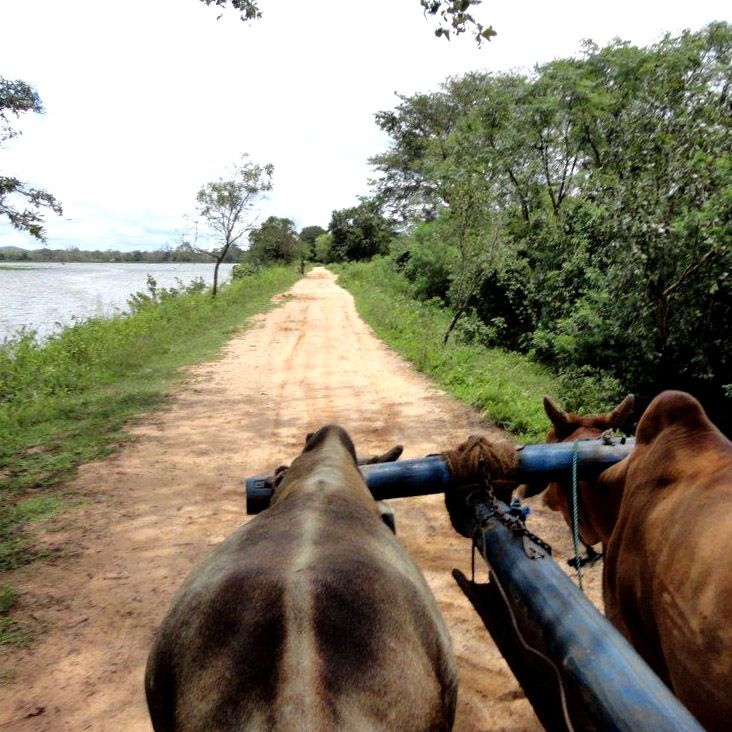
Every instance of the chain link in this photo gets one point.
(514, 519)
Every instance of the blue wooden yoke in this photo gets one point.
(429, 475)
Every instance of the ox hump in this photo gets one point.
(672, 409)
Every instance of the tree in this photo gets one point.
(455, 18)
(17, 97)
(473, 227)
(321, 248)
(274, 241)
(359, 232)
(247, 9)
(453, 15)
(309, 234)
(225, 206)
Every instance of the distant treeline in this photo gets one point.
(274, 241)
(182, 253)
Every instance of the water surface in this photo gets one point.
(45, 296)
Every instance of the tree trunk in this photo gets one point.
(216, 278)
(453, 323)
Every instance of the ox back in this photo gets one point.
(309, 617)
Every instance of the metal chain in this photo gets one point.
(514, 519)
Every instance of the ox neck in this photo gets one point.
(328, 475)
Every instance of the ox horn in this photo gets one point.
(557, 415)
(621, 413)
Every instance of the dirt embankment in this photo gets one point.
(163, 501)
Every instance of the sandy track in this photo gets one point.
(163, 501)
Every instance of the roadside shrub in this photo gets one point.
(155, 294)
(429, 273)
(505, 305)
(245, 269)
(471, 329)
(424, 259)
(587, 390)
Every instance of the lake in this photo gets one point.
(47, 295)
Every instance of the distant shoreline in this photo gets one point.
(183, 254)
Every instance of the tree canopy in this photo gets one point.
(309, 234)
(275, 240)
(359, 232)
(612, 176)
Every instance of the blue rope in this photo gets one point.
(575, 516)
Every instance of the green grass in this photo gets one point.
(11, 633)
(506, 387)
(67, 401)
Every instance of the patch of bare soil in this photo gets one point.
(161, 503)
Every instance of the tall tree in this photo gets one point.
(359, 232)
(309, 234)
(18, 201)
(612, 173)
(225, 207)
(275, 240)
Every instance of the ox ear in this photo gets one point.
(621, 413)
(557, 415)
(388, 457)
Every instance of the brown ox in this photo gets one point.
(664, 517)
(309, 617)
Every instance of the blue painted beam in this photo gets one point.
(600, 670)
(429, 475)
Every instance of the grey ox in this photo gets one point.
(309, 617)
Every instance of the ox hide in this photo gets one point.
(309, 617)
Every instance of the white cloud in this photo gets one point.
(146, 101)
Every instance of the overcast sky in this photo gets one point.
(146, 100)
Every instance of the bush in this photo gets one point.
(427, 262)
(245, 269)
(587, 390)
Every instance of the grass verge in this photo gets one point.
(66, 401)
(506, 387)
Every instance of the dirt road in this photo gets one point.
(164, 500)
